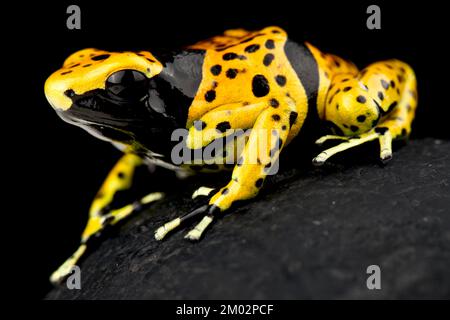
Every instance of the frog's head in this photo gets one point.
(106, 93)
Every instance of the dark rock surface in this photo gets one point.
(311, 233)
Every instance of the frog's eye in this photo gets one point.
(127, 84)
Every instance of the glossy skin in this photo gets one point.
(239, 80)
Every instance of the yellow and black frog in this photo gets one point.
(258, 82)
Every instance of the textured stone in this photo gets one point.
(311, 233)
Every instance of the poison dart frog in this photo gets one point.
(257, 80)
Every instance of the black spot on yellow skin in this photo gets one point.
(276, 117)
(229, 56)
(380, 95)
(66, 72)
(100, 57)
(354, 128)
(347, 89)
(225, 191)
(384, 84)
(274, 103)
(283, 128)
(260, 86)
(361, 99)
(392, 106)
(252, 48)
(121, 175)
(270, 44)
(361, 118)
(259, 183)
(392, 83)
(381, 130)
(281, 80)
(268, 58)
(232, 73)
(216, 70)
(223, 126)
(210, 95)
(199, 125)
(292, 117)
(87, 65)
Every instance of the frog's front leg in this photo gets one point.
(101, 214)
(270, 130)
(377, 104)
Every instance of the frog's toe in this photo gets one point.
(202, 191)
(385, 140)
(385, 156)
(58, 276)
(196, 233)
(323, 139)
(347, 144)
(162, 231)
(320, 159)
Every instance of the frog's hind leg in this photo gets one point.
(101, 215)
(377, 104)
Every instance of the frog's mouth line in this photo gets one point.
(99, 130)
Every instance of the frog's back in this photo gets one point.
(245, 67)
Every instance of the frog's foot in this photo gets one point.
(66, 268)
(382, 134)
(206, 210)
(196, 233)
(94, 228)
(328, 137)
(202, 192)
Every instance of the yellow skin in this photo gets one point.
(377, 103)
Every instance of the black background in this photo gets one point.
(60, 167)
